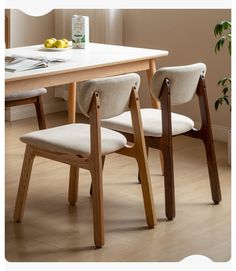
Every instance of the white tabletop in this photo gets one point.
(95, 55)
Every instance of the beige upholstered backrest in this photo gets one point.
(183, 81)
(114, 93)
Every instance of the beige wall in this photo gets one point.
(28, 30)
(188, 36)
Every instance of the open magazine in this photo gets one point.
(21, 63)
(18, 63)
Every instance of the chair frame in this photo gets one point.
(164, 144)
(37, 100)
(94, 164)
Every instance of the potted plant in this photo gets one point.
(223, 32)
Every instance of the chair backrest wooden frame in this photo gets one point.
(114, 94)
(184, 81)
(136, 150)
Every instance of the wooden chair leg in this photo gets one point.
(91, 186)
(147, 191)
(212, 169)
(138, 171)
(40, 113)
(95, 162)
(161, 162)
(169, 181)
(141, 157)
(24, 184)
(98, 216)
(73, 185)
(167, 149)
(206, 136)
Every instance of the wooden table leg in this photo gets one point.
(72, 102)
(150, 73)
(155, 103)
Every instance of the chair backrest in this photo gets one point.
(114, 93)
(183, 81)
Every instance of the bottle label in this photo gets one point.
(79, 31)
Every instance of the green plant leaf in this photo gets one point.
(225, 90)
(220, 44)
(226, 100)
(223, 31)
(222, 81)
(218, 29)
(226, 25)
(229, 48)
(217, 104)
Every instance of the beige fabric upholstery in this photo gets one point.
(73, 139)
(183, 81)
(21, 95)
(152, 123)
(114, 93)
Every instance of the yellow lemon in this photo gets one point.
(66, 43)
(49, 43)
(59, 44)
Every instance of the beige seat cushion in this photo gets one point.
(152, 124)
(73, 139)
(21, 95)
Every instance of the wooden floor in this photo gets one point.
(54, 231)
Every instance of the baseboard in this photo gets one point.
(28, 111)
(220, 133)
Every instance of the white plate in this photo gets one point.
(42, 48)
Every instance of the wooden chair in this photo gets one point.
(85, 146)
(174, 85)
(25, 97)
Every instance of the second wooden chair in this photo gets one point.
(174, 86)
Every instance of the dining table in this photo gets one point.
(77, 65)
